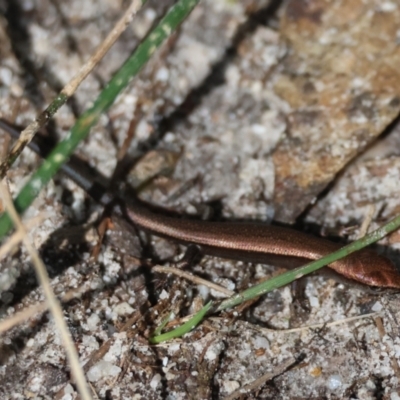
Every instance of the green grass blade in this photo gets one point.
(184, 328)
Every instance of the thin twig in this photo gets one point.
(367, 221)
(18, 236)
(70, 88)
(54, 305)
(323, 325)
(257, 383)
(22, 316)
(195, 279)
(29, 312)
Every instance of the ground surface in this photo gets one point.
(249, 112)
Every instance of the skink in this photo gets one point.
(250, 241)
